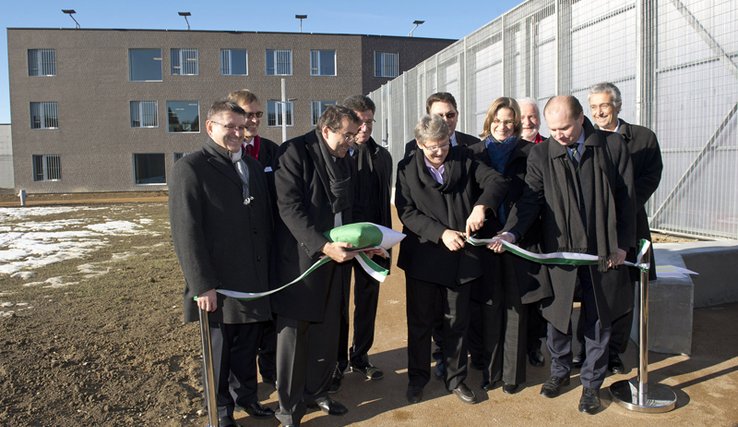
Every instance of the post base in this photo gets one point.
(659, 398)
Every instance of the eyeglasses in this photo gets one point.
(505, 123)
(252, 114)
(230, 127)
(449, 115)
(368, 123)
(603, 107)
(435, 148)
(348, 137)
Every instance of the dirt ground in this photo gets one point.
(113, 351)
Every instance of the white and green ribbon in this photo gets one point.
(563, 258)
(364, 235)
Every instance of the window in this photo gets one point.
(46, 167)
(274, 113)
(234, 62)
(183, 116)
(317, 108)
(41, 62)
(278, 62)
(144, 65)
(322, 62)
(149, 168)
(178, 156)
(184, 62)
(144, 114)
(44, 115)
(386, 64)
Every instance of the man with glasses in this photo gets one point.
(373, 166)
(265, 151)
(443, 104)
(314, 194)
(221, 221)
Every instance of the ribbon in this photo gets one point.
(564, 258)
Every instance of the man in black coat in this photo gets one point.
(314, 194)
(605, 103)
(265, 151)
(373, 166)
(444, 104)
(221, 221)
(580, 183)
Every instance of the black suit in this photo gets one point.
(371, 204)
(438, 280)
(308, 313)
(462, 139)
(222, 243)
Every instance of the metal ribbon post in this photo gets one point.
(637, 394)
(208, 371)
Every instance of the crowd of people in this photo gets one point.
(249, 215)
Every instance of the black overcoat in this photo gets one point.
(541, 197)
(426, 214)
(219, 241)
(305, 210)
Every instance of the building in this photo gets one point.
(111, 110)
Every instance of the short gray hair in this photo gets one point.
(431, 128)
(607, 87)
(529, 101)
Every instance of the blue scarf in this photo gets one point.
(499, 152)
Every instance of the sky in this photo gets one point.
(443, 19)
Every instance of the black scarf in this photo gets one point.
(339, 177)
(454, 173)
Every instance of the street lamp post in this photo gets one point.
(301, 17)
(71, 12)
(417, 23)
(185, 15)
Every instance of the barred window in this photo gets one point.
(234, 62)
(274, 113)
(44, 115)
(184, 62)
(278, 62)
(41, 62)
(46, 167)
(317, 108)
(144, 114)
(386, 64)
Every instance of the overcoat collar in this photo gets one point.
(219, 158)
(313, 149)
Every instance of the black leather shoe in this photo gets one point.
(414, 394)
(510, 388)
(578, 360)
(329, 406)
(590, 401)
(369, 371)
(256, 410)
(552, 387)
(335, 384)
(535, 358)
(615, 365)
(464, 393)
(227, 421)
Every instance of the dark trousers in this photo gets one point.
(596, 339)
(536, 327)
(306, 354)
(234, 348)
(424, 300)
(620, 330)
(366, 300)
(267, 352)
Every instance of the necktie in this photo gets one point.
(243, 173)
(249, 148)
(576, 157)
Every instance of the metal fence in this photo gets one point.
(673, 60)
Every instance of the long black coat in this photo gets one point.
(462, 139)
(540, 198)
(305, 209)
(220, 242)
(527, 281)
(425, 214)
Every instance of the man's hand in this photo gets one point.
(617, 259)
(337, 251)
(454, 240)
(378, 251)
(475, 220)
(497, 245)
(208, 301)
